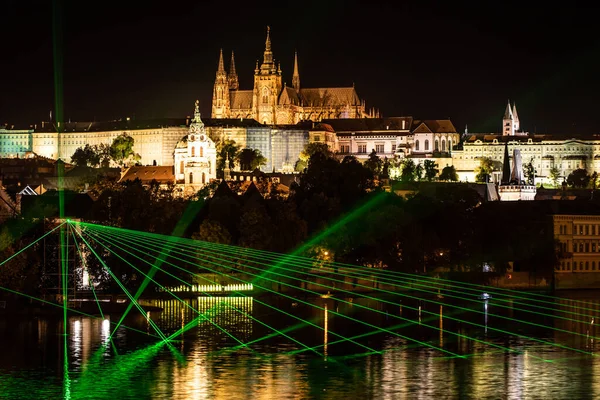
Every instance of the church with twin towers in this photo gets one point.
(273, 102)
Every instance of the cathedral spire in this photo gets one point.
(221, 67)
(268, 41)
(268, 64)
(296, 76)
(232, 78)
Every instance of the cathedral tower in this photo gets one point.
(232, 78)
(267, 86)
(220, 104)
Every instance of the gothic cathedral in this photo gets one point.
(272, 102)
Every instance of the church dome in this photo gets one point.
(182, 144)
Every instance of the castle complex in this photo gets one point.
(158, 142)
(272, 102)
(279, 120)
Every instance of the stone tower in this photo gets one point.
(267, 86)
(220, 105)
(510, 122)
(508, 127)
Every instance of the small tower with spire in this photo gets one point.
(296, 76)
(220, 103)
(232, 78)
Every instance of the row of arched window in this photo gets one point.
(436, 145)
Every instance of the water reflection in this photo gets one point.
(204, 366)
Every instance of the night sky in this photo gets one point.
(424, 59)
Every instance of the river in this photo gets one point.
(323, 348)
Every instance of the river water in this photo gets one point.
(276, 348)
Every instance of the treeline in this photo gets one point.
(340, 208)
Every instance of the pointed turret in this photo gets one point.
(516, 122)
(296, 76)
(506, 166)
(232, 78)
(508, 112)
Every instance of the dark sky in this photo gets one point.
(425, 59)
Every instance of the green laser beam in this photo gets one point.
(475, 324)
(279, 310)
(342, 315)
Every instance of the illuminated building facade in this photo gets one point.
(564, 152)
(272, 102)
(578, 239)
(195, 157)
(390, 137)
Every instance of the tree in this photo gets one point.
(419, 171)
(308, 151)
(578, 178)
(449, 174)
(486, 166)
(250, 159)
(529, 172)
(374, 163)
(226, 150)
(212, 231)
(86, 156)
(431, 170)
(408, 171)
(594, 180)
(121, 148)
(554, 175)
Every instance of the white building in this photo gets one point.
(195, 157)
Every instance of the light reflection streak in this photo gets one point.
(325, 332)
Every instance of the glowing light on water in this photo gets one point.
(105, 333)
